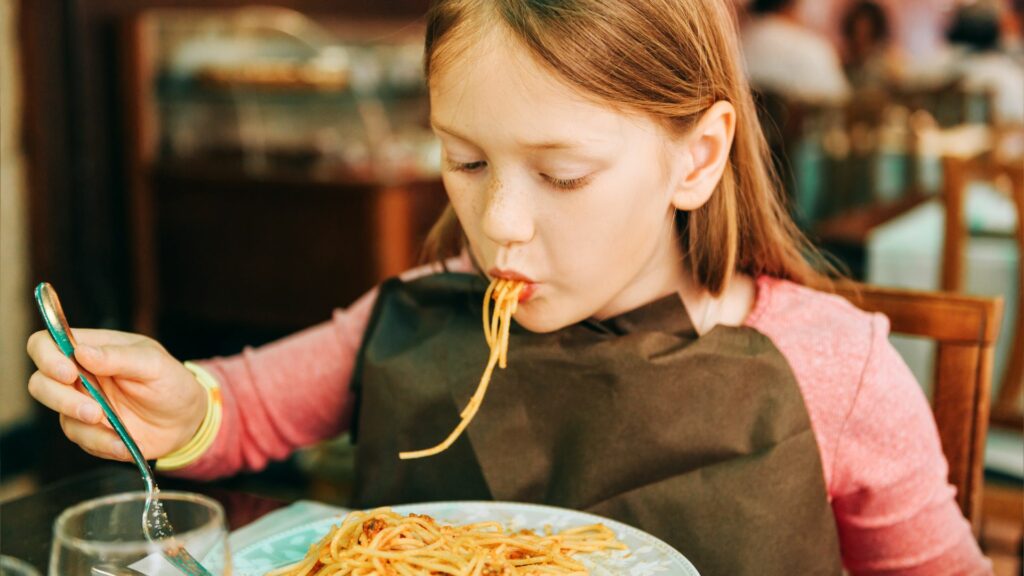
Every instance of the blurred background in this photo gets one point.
(218, 174)
(214, 174)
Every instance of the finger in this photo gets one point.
(64, 399)
(103, 337)
(49, 359)
(136, 362)
(98, 441)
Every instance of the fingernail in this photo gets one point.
(89, 413)
(118, 449)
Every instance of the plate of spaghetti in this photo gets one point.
(461, 538)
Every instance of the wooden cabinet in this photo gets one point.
(258, 207)
(241, 261)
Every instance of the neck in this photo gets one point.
(699, 303)
(729, 308)
(668, 272)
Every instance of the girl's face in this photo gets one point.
(555, 188)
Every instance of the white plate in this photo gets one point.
(646, 556)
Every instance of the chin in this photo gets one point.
(539, 319)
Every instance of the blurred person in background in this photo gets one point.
(1011, 37)
(983, 62)
(917, 29)
(871, 60)
(786, 58)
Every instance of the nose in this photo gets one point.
(507, 216)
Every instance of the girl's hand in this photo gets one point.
(158, 399)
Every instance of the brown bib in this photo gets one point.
(704, 442)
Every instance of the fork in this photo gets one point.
(155, 524)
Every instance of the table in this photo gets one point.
(26, 523)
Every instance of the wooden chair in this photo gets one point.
(965, 329)
(959, 169)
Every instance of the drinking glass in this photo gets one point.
(10, 566)
(107, 532)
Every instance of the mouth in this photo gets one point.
(527, 291)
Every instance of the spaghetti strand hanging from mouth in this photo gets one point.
(496, 324)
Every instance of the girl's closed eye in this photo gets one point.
(567, 183)
(559, 183)
(474, 166)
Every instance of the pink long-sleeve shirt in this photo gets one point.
(881, 458)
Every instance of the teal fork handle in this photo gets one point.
(56, 325)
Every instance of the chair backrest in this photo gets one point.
(965, 329)
(958, 171)
(1008, 409)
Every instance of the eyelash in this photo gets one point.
(465, 166)
(570, 184)
(560, 183)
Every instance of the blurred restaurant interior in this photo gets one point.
(220, 173)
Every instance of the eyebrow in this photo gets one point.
(543, 145)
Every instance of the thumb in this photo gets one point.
(133, 362)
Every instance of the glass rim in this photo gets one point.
(16, 563)
(61, 538)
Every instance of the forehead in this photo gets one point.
(493, 89)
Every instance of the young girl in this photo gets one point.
(670, 365)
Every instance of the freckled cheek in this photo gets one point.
(464, 201)
(577, 246)
(468, 208)
(598, 224)
(609, 234)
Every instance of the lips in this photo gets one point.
(527, 291)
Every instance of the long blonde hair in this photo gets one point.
(671, 60)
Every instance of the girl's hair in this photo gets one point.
(670, 60)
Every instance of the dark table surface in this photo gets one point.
(26, 523)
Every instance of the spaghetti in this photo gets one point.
(383, 543)
(496, 330)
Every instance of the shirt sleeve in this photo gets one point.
(293, 392)
(894, 508)
(284, 395)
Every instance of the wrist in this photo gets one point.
(202, 403)
(205, 431)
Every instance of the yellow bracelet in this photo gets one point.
(204, 437)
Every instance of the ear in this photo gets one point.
(703, 154)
